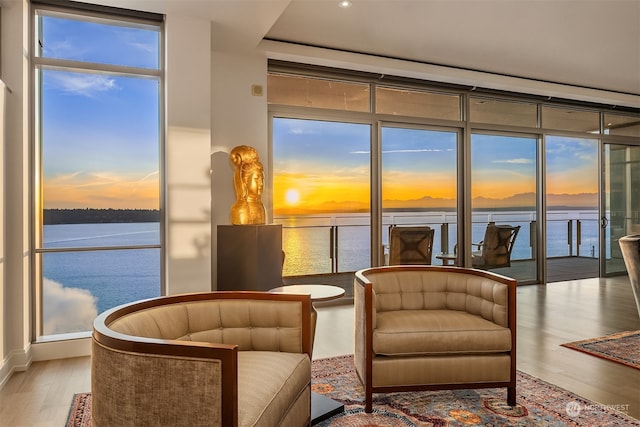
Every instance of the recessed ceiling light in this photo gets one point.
(345, 3)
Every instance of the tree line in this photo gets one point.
(94, 216)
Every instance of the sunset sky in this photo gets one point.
(320, 162)
(321, 165)
(100, 132)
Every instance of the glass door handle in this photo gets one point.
(604, 222)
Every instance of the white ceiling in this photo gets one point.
(586, 43)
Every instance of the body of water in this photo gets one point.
(78, 285)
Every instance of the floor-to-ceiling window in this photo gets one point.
(98, 86)
(621, 182)
(572, 207)
(620, 198)
(419, 183)
(571, 178)
(462, 159)
(419, 164)
(321, 195)
(503, 192)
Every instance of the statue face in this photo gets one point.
(255, 183)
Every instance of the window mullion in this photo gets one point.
(90, 67)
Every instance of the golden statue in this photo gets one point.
(248, 181)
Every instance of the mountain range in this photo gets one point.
(517, 201)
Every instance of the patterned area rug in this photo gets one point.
(622, 347)
(80, 411)
(539, 404)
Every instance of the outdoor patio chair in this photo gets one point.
(495, 249)
(410, 245)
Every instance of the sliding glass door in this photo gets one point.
(321, 195)
(503, 193)
(572, 208)
(621, 212)
(419, 185)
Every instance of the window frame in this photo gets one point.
(466, 128)
(98, 14)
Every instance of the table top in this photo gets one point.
(318, 292)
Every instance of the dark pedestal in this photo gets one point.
(249, 257)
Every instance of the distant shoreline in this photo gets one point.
(98, 216)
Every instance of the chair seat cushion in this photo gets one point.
(268, 383)
(437, 332)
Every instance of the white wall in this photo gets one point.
(2, 190)
(188, 142)
(210, 110)
(16, 329)
(238, 118)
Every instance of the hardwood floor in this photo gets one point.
(41, 396)
(547, 317)
(569, 311)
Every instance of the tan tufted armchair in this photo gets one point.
(430, 328)
(208, 359)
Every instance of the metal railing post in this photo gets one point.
(444, 238)
(533, 242)
(579, 236)
(570, 236)
(332, 251)
(336, 252)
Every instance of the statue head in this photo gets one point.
(248, 180)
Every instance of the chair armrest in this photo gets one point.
(168, 372)
(364, 323)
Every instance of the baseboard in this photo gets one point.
(17, 360)
(20, 360)
(51, 350)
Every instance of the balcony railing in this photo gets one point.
(323, 244)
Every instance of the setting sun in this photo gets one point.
(292, 196)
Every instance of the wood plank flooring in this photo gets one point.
(547, 317)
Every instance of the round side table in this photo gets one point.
(317, 292)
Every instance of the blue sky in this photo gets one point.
(100, 131)
(101, 43)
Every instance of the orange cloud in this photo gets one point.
(103, 190)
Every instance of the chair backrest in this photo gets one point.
(407, 287)
(410, 245)
(497, 245)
